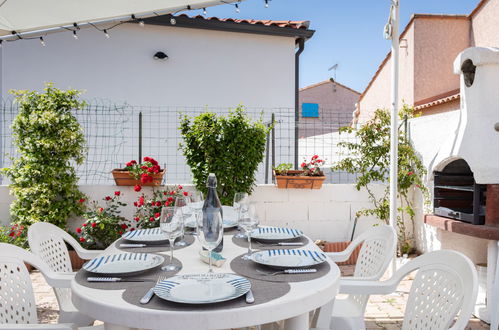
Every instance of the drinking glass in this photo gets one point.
(249, 221)
(195, 202)
(170, 223)
(210, 231)
(241, 201)
(182, 210)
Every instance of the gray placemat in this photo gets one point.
(152, 247)
(247, 268)
(150, 275)
(243, 242)
(263, 292)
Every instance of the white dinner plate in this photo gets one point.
(123, 263)
(229, 215)
(275, 234)
(294, 258)
(151, 235)
(202, 288)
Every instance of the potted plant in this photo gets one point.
(147, 173)
(148, 208)
(309, 177)
(103, 225)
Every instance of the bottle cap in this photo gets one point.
(212, 181)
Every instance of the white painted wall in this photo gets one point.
(326, 214)
(214, 68)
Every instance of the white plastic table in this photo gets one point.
(294, 307)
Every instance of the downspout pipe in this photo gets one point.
(301, 46)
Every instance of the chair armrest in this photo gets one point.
(358, 278)
(339, 256)
(87, 254)
(368, 287)
(61, 326)
(59, 280)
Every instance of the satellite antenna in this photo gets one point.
(333, 78)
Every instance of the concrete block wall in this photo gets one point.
(326, 214)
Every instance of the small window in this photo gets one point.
(310, 110)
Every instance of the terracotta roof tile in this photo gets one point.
(438, 102)
(283, 24)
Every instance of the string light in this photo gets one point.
(106, 34)
(237, 8)
(75, 35)
(1, 41)
(42, 41)
(266, 3)
(141, 23)
(204, 11)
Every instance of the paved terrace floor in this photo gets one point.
(383, 312)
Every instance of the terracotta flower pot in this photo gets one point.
(294, 181)
(125, 178)
(340, 246)
(76, 261)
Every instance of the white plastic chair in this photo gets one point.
(48, 242)
(445, 286)
(17, 300)
(378, 249)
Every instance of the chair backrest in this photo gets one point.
(48, 242)
(378, 249)
(445, 286)
(17, 300)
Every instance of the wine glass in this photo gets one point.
(240, 203)
(248, 221)
(182, 210)
(195, 202)
(210, 230)
(170, 223)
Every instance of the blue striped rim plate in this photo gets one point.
(275, 234)
(294, 258)
(145, 235)
(229, 216)
(123, 263)
(202, 288)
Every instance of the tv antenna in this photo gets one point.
(333, 77)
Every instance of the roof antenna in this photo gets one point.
(333, 77)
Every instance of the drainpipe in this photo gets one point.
(301, 47)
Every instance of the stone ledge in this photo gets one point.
(464, 228)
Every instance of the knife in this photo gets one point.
(249, 297)
(289, 244)
(115, 279)
(147, 297)
(126, 245)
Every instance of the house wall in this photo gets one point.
(484, 24)
(326, 214)
(336, 104)
(437, 43)
(214, 68)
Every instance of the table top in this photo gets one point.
(109, 306)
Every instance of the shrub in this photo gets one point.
(230, 146)
(15, 234)
(49, 140)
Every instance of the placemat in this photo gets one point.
(152, 275)
(247, 268)
(152, 247)
(263, 292)
(243, 242)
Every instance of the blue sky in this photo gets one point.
(348, 32)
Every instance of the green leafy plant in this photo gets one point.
(50, 140)
(148, 208)
(15, 234)
(103, 225)
(370, 159)
(230, 146)
(282, 169)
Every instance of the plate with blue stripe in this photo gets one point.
(270, 234)
(123, 263)
(284, 258)
(150, 235)
(202, 288)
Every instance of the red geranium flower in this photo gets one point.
(82, 200)
(107, 198)
(11, 234)
(123, 226)
(136, 219)
(157, 215)
(132, 229)
(84, 225)
(117, 193)
(151, 219)
(410, 173)
(120, 232)
(93, 224)
(137, 188)
(147, 159)
(141, 201)
(101, 209)
(167, 203)
(170, 199)
(180, 187)
(186, 193)
(158, 203)
(315, 157)
(172, 192)
(82, 239)
(303, 165)
(78, 230)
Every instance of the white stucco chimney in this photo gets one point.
(476, 139)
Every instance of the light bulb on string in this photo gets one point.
(141, 23)
(75, 35)
(1, 41)
(204, 11)
(106, 34)
(266, 3)
(237, 8)
(42, 41)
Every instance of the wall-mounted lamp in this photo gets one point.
(160, 56)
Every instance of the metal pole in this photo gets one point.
(394, 117)
(273, 145)
(140, 137)
(267, 156)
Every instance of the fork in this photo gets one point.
(288, 271)
(148, 296)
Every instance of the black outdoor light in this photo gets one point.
(160, 56)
